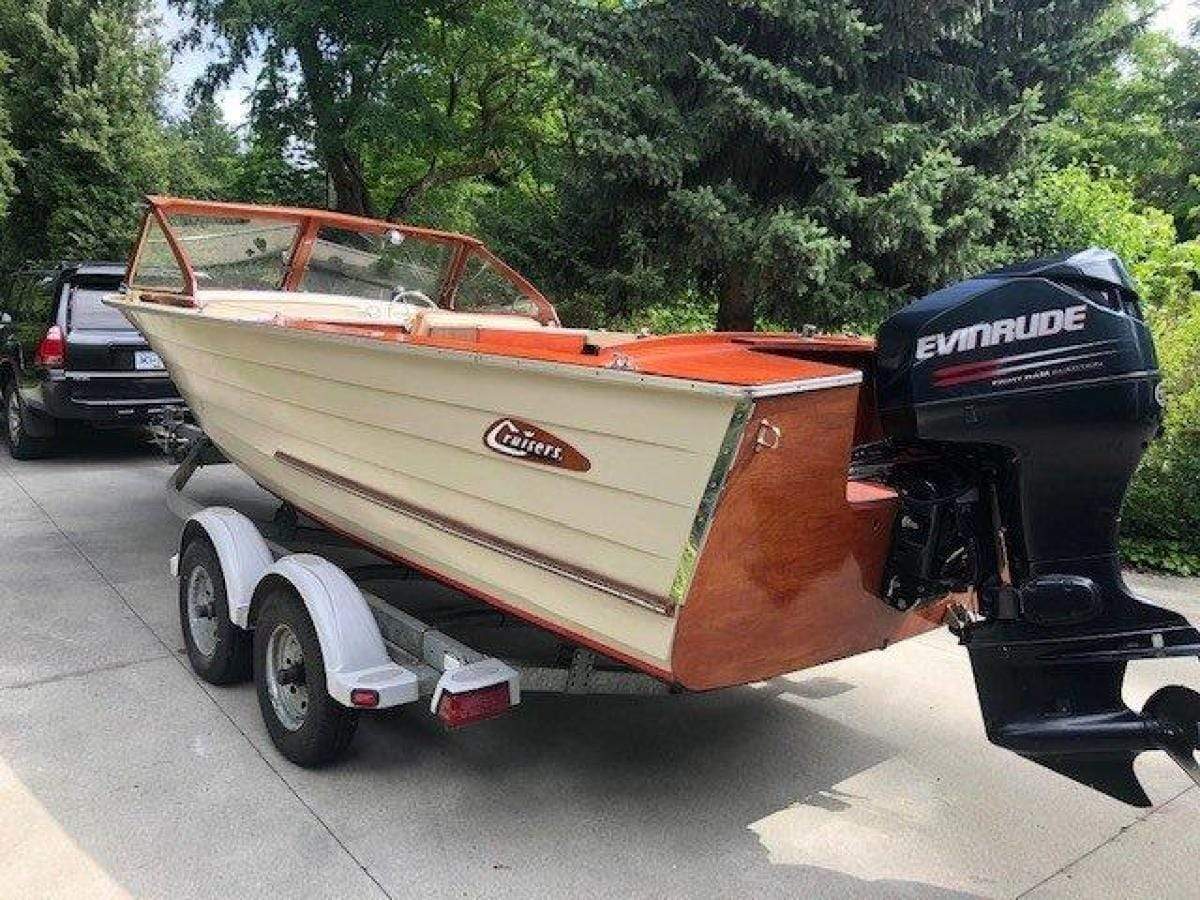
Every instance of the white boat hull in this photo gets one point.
(385, 442)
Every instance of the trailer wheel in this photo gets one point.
(218, 650)
(307, 725)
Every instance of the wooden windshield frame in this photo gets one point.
(308, 224)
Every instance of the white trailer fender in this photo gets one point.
(354, 653)
(241, 550)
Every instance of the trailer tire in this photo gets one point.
(21, 444)
(219, 651)
(310, 728)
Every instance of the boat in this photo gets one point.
(711, 509)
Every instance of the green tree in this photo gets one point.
(83, 91)
(1076, 207)
(275, 169)
(207, 153)
(8, 155)
(801, 160)
(1141, 118)
(396, 100)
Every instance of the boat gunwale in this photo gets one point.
(556, 367)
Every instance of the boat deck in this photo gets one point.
(736, 359)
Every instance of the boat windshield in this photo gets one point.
(388, 266)
(235, 252)
(188, 246)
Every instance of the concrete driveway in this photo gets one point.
(121, 774)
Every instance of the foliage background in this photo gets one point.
(668, 164)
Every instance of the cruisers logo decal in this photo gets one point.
(520, 440)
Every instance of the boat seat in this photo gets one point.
(467, 326)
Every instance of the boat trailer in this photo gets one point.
(319, 646)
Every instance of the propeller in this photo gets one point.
(1174, 711)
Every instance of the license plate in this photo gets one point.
(146, 359)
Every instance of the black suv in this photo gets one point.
(67, 357)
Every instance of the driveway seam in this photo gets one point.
(1094, 850)
(111, 585)
(81, 673)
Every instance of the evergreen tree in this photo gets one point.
(803, 160)
(208, 155)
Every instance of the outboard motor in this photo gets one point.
(1016, 407)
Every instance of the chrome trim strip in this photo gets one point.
(133, 373)
(804, 385)
(157, 401)
(713, 491)
(447, 526)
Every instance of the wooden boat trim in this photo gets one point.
(661, 605)
(668, 382)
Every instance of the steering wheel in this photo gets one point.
(415, 298)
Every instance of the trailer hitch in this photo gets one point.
(1054, 695)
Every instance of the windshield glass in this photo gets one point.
(388, 266)
(233, 252)
(483, 289)
(156, 265)
(88, 312)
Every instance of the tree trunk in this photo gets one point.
(436, 176)
(735, 302)
(349, 187)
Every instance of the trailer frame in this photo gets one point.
(373, 653)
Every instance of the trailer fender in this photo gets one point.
(354, 653)
(241, 550)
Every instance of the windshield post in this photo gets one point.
(306, 237)
(453, 276)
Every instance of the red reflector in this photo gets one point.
(473, 706)
(364, 697)
(51, 350)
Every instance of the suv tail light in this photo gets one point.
(52, 350)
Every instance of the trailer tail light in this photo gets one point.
(364, 698)
(469, 707)
(52, 350)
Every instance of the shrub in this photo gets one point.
(1075, 207)
(1161, 521)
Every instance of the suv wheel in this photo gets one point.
(20, 443)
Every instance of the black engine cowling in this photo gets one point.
(1016, 407)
